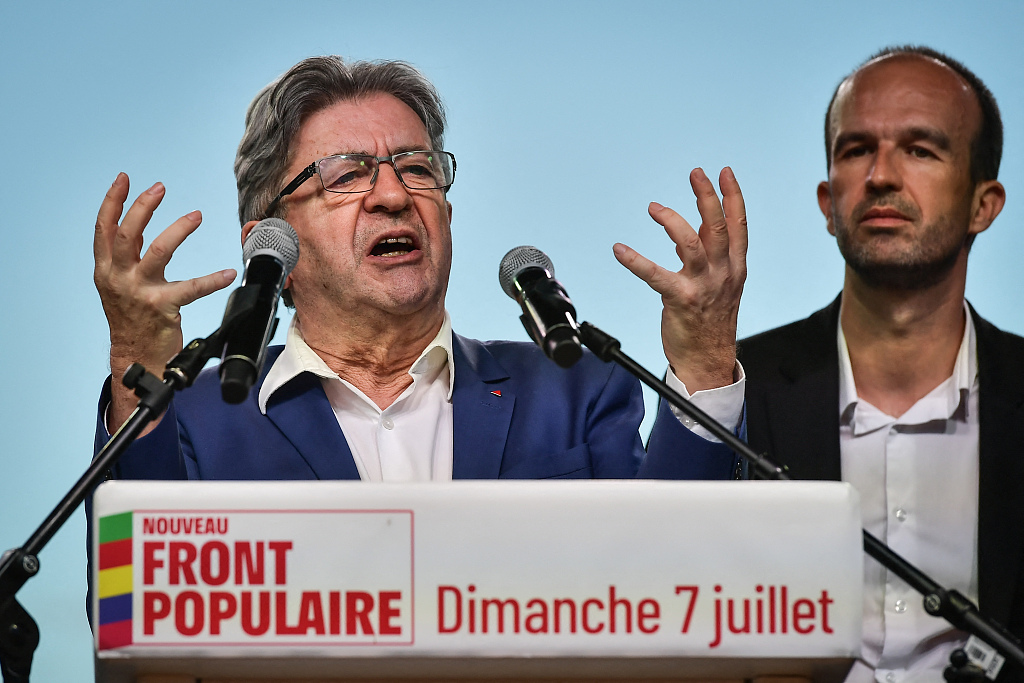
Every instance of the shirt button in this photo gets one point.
(387, 423)
(901, 606)
(901, 514)
(890, 677)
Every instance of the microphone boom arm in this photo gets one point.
(19, 633)
(938, 601)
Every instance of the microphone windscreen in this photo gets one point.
(273, 237)
(516, 261)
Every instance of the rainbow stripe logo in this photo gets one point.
(115, 581)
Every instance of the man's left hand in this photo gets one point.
(702, 299)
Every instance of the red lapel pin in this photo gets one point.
(496, 392)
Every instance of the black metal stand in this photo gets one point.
(960, 669)
(939, 602)
(19, 634)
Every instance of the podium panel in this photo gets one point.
(469, 580)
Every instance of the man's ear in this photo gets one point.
(825, 204)
(449, 211)
(247, 228)
(989, 199)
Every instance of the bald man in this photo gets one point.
(898, 386)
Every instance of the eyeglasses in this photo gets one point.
(354, 173)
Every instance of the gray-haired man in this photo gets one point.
(372, 382)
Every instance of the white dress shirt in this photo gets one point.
(411, 440)
(917, 476)
(724, 404)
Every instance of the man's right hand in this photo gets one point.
(141, 306)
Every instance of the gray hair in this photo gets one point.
(279, 110)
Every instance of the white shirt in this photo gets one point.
(411, 440)
(724, 404)
(917, 476)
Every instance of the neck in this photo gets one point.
(902, 343)
(374, 353)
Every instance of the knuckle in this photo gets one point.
(689, 240)
(101, 278)
(195, 289)
(151, 299)
(160, 251)
(121, 236)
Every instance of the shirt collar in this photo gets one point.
(948, 400)
(298, 357)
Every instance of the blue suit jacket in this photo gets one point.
(547, 423)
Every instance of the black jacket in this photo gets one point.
(792, 407)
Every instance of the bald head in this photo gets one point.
(901, 75)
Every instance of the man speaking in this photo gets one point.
(372, 383)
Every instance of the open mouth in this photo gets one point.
(393, 246)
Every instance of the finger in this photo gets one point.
(108, 216)
(735, 212)
(163, 245)
(187, 291)
(650, 272)
(128, 238)
(714, 232)
(688, 244)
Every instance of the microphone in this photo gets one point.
(527, 275)
(270, 252)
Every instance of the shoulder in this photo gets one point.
(1000, 358)
(810, 339)
(994, 340)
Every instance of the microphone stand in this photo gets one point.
(938, 601)
(19, 633)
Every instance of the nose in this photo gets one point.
(388, 194)
(884, 174)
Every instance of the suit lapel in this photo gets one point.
(1001, 468)
(301, 411)
(482, 403)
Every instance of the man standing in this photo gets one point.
(898, 387)
(372, 383)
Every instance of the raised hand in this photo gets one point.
(141, 306)
(701, 299)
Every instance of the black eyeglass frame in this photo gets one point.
(313, 170)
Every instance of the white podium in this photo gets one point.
(595, 580)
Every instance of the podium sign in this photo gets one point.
(336, 572)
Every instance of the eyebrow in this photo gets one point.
(932, 135)
(845, 139)
(913, 134)
(397, 150)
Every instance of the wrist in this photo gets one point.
(704, 375)
(703, 381)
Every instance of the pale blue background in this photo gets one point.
(536, 91)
